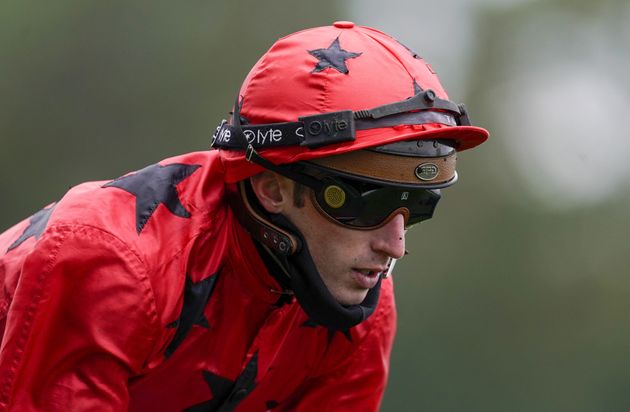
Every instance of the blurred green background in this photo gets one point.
(515, 297)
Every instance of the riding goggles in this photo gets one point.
(366, 206)
(356, 203)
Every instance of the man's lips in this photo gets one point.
(366, 278)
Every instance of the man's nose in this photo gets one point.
(390, 238)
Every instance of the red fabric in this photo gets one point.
(87, 312)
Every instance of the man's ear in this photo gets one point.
(271, 190)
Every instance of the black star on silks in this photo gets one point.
(334, 56)
(310, 323)
(284, 299)
(155, 185)
(196, 297)
(271, 405)
(220, 388)
(37, 225)
(227, 394)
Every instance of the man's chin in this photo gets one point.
(352, 298)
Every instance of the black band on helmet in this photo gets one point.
(336, 127)
(423, 117)
(309, 131)
(426, 100)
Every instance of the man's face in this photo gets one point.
(349, 261)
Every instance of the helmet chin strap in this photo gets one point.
(303, 277)
(312, 293)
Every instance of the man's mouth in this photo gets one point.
(366, 278)
(368, 272)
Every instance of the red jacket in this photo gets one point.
(146, 294)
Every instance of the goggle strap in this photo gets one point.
(229, 136)
(252, 156)
(412, 118)
(337, 127)
(426, 100)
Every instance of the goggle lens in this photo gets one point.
(360, 205)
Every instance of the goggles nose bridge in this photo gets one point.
(403, 210)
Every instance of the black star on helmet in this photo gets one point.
(155, 185)
(196, 297)
(37, 225)
(334, 56)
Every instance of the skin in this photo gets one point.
(339, 253)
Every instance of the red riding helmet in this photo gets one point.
(337, 89)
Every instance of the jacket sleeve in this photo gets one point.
(80, 324)
(355, 380)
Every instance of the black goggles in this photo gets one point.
(356, 203)
(363, 205)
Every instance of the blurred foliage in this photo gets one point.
(92, 90)
(504, 305)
